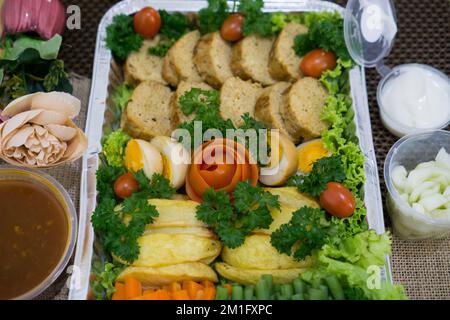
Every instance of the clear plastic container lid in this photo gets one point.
(369, 29)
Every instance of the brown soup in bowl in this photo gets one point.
(36, 232)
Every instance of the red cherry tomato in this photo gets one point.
(314, 63)
(232, 27)
(337, 200)
(125, 185)
(147, 22)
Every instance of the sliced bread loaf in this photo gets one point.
(168, 72)
(284, 63)
(303, 108)
(250, 59)
(141, 66)
(238, 97)
(268, 107)
(148, 113)
(182, 88)
(212, 58)
(181, 57)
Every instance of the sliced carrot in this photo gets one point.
(151, 296)
(120, 291)
(229, 287)
(133, 288)
(180, 295)
(192, 288)
(200, 295)
(207, 284)
(163, 294)
(160, 294)
(209, 293)
(148, 291)
(173, 287)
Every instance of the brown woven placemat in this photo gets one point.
(423, 267)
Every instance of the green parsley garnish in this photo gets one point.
(118, 237)
(325, 31)
(308, 229)
(211, 18)
(233, 221)
(325, 170)
(121, 37)
(256, 21)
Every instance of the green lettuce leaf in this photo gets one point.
(354, 258)
(355, 263)
(47, 50)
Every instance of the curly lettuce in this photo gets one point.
(357, 261)
(114, 147)
(341, 139)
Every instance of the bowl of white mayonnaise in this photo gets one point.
(414, 98)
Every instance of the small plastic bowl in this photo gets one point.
(396, 128)
(409, 152)
(46, 181)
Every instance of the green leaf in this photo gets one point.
(211, 18)
(47, 50)
(121, 37)
(234, 221)
(174, 25)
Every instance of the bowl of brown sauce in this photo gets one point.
(38, 224)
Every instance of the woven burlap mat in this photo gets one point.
(423, 267)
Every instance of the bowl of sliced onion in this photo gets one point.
(417, 175)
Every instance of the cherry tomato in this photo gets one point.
(337, 200)
(147, 22)
(232, 27)
(125, 185)
(314, 63)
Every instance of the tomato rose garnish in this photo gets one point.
(220, 164)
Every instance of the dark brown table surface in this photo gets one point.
(423, 37)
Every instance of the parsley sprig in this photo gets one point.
(211, 18)
(256, 21)
(308, 229)
(325, 31)
(121, 37)
(325, 170)
(118, 237)
(234, 220)
(204, 104)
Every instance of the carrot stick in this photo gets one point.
(133, 288)
(192, 288)
(207, 284)
(210, 293)
(180, 295)
(120, 291)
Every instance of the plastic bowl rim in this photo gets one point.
(72, 228)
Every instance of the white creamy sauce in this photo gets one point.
(417, 98)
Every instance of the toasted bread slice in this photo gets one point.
(148, 113)
(182, 88)
(142, 66)
(168, 72)
(250, 59)
(238, 97)
(303, 108)
(212, 58)
(181, 57)
(284, 63)
(268, 107)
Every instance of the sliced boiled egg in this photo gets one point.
(175, 157)
(308, 153)
(283, 163)
(141, 155)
